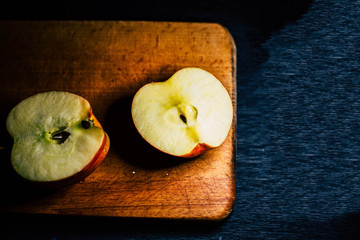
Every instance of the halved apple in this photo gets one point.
(57, 139)
(184, 116)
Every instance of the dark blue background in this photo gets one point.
(298, 146)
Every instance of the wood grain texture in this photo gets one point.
(106, 62)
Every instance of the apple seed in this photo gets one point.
(85, 124)
(60, 137)
(187, 113)
(183, 118)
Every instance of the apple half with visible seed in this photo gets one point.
(57, 139)
(185, 115)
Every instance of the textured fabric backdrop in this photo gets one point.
(298, 129)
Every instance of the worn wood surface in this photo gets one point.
(107, 62)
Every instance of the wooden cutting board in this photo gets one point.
(106, 62)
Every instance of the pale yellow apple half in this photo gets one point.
(56, 137)
(185, 115)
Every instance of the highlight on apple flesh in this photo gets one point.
(57, 139)
(185, 115)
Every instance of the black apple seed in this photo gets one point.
(60, 137)
(85, 124)
(183, 118)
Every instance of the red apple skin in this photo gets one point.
(198, 149)
(87, 170)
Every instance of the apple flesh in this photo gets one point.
(57, 139)
(184, 116)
